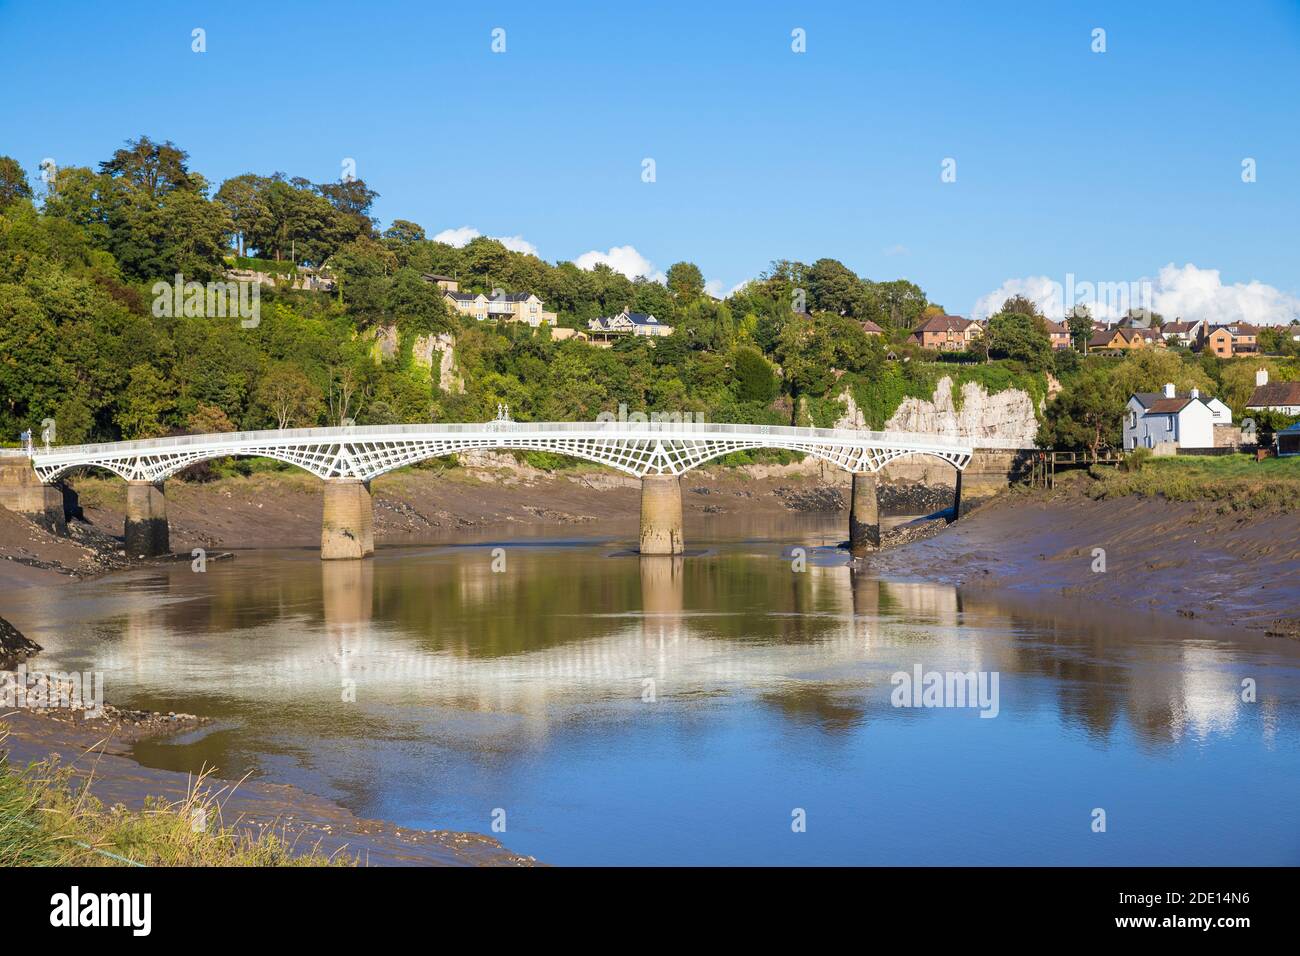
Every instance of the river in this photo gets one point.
(736, 706)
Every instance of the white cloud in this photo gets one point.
(1200, 294)
(1042, 291)
(457, 237)
(898, 250)
(1189, 293)
(624, 259)
(714, 288)
(460, 237)
(517, 244)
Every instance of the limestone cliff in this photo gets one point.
(444, 344)
(387, 342)
(1006, 414)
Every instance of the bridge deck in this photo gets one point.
(637, 448)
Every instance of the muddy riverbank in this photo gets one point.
(1191, 559)
(98, 751)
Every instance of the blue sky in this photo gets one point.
(1108, 165)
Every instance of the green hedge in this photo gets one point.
(264, 265)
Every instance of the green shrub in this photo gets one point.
(1135, 459)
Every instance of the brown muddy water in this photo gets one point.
(738, 705)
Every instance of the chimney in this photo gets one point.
(1261, 377)
(1196, 393)
(1169, 389)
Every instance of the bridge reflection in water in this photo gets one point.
(425, 688)
(563, 626)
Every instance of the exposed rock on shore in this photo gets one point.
(14, 646)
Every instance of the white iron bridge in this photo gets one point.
(640, 449)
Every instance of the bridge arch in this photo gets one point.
(348, 458)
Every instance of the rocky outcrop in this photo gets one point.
(444, 345)
(1008, 414)
(14, 647)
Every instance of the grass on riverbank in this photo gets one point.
(1234, 482)
(46, 819)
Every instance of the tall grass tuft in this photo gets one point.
(48, 818)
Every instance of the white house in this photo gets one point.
(1187, 421)
(1281, 397)
(628, 323)
(1182, 333)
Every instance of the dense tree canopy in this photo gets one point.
(79, 341)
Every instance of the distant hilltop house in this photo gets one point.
(1226, 341)
(1166, 422)
(1059, 334)
(1119, 339)
(296, 277)
(506, 307)
(605, 330)
(871, 328)
(1187, 334)
(1281, 397)
(946, 333)
(522, 307)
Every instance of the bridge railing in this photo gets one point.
(620, 429)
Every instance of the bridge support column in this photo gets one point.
(348, 527)
(146, 533)
(661, 515)
(864, 514)
(22, 492)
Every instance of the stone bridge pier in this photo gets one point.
(348, 525)
(864, 514)
(146, 534)
(23, 493)
(661, 515)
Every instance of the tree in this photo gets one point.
(1021, 305)
(157, 217)
(807, 355)
(416, 306)
(154, 168)
(685, 281)
(363, 270)
(1080, 324)
(404, 231)
(834, 287)
(1017, 336)
(147, 400)
(208, 420)
(13, 181)
(289, 397)
(1087, 415)
(346, 395)
(755, 380)
(896, 305)
(244, 200)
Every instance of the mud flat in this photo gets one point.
(1182, 558)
